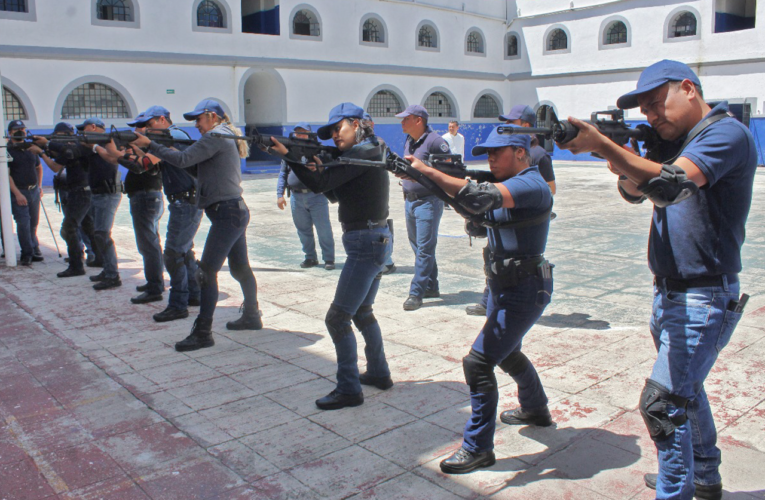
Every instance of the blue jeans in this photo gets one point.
(180, 261)
(27, 218)
(227, 238)
(689, 331)
(146, 208)
(422, 219)
(76, 210)
(510, 314)
(309, 210)
(366, 251)
(104, 209)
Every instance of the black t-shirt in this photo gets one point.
(23, 168)
(541, 159)
(143, 182)
(101, 173)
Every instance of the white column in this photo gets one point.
(5, 194)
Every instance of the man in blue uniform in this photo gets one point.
(309, 210)
(701, 200)
(25, 171)
(515, 212)
(423, 210)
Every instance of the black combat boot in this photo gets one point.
(464, 461)
(199, 338)
(250, 319)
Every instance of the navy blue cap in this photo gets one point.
(206, 106)
(138, 121)
(338, 113)
(520, 112)
(94, 120)
(497, 140)
(303, 125)
(414, 110)
(63, 128)
(654, 76)
(15, 124)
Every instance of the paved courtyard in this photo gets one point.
(96, 404)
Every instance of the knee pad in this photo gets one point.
(173, 260)
(364, 317)
(479, 373)
(68, 231)
(239, 271)
(103, 240)
(655, 405)
(204, 276)
(515, 363)
(338, 323)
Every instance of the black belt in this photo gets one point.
(301, 191)
(182, 196)
(28, 188)
(215, 206)
(415, 196)
(151, 190)
(77, 188)
(368, 224)
(108, 189)
(683, 285)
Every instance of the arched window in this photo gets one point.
(475, 42)
(13, 5)
(684, 24)
(486, 107)
(616, 33)
(114, 10)
(512, 46)
(373, 31)
(384, 104)
(12, 107)
(94, 99)
(427, 37)
(557, 40)
(439, 105)
(210, 15)
(305, 23)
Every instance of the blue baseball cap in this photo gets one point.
(206, 106)
(414, 110)
(94, 120)
(520, 112)
(339, 113)
(302, 125)
(497, 140)
(654, 76)
(63, 128)
(138, 121)
(156, 112)
(15, 124)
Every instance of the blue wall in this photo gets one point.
(725, 22)
(265, 22)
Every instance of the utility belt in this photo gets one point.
(187, 196)
(146, 190)
(27, 188)
(510, 271)
(301, 191)
(683, 285)
(108, 188)
(416, 196)
(368, 224)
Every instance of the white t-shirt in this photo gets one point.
(456, 143)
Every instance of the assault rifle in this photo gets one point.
(120, 138)
(452, 166)
(302, 149)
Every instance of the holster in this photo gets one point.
(506, 273)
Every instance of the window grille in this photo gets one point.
(384, 104)
(305, 24)
(486, 107)
(113, 10)
(616, 33)
(13, 5)
(371, 32)
(557, 40)
(438, 105)
(474, 43)
(427, 37)
(684, 25)
(512, 45)
(94, 99)
(209, 15)
(12, 107)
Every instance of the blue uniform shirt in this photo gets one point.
(23, 169)
(532, 198)
(287, 178)
(176, 180)
(702, 236)
(429, 143)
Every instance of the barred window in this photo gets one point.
(427, 37)
(684, 25)
(94, 99)
(616, 33)
(305, 23)
(114, 10)
(486, 107)
(557, 40)
(13, 5)
(12, 107)
(371, 32)
(474, 42)
(512, 46)
(438, 105)
(209, 15)
(384, 104)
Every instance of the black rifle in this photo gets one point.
(120, 137)
(300, 150)
(452, 166)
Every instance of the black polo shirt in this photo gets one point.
(23, 169)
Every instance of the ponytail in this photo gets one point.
(243, 146)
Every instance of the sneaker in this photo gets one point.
(309, 263)
(476, 310)
(703, 491)
(389, 269)
(464, 461)
(107, 283)
(69, 272)
(382, 383)
(335, 400)
(519, 416)
(329, 265)
(171, 314)
(412, 303)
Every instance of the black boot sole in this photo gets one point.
(339, 406)
(195, 347)
(464, 469)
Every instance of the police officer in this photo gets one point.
(219, 176)
(25, 172)
(309, 210)
(75, 202)
(423, 210)
(517, 211)
(701, 200)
